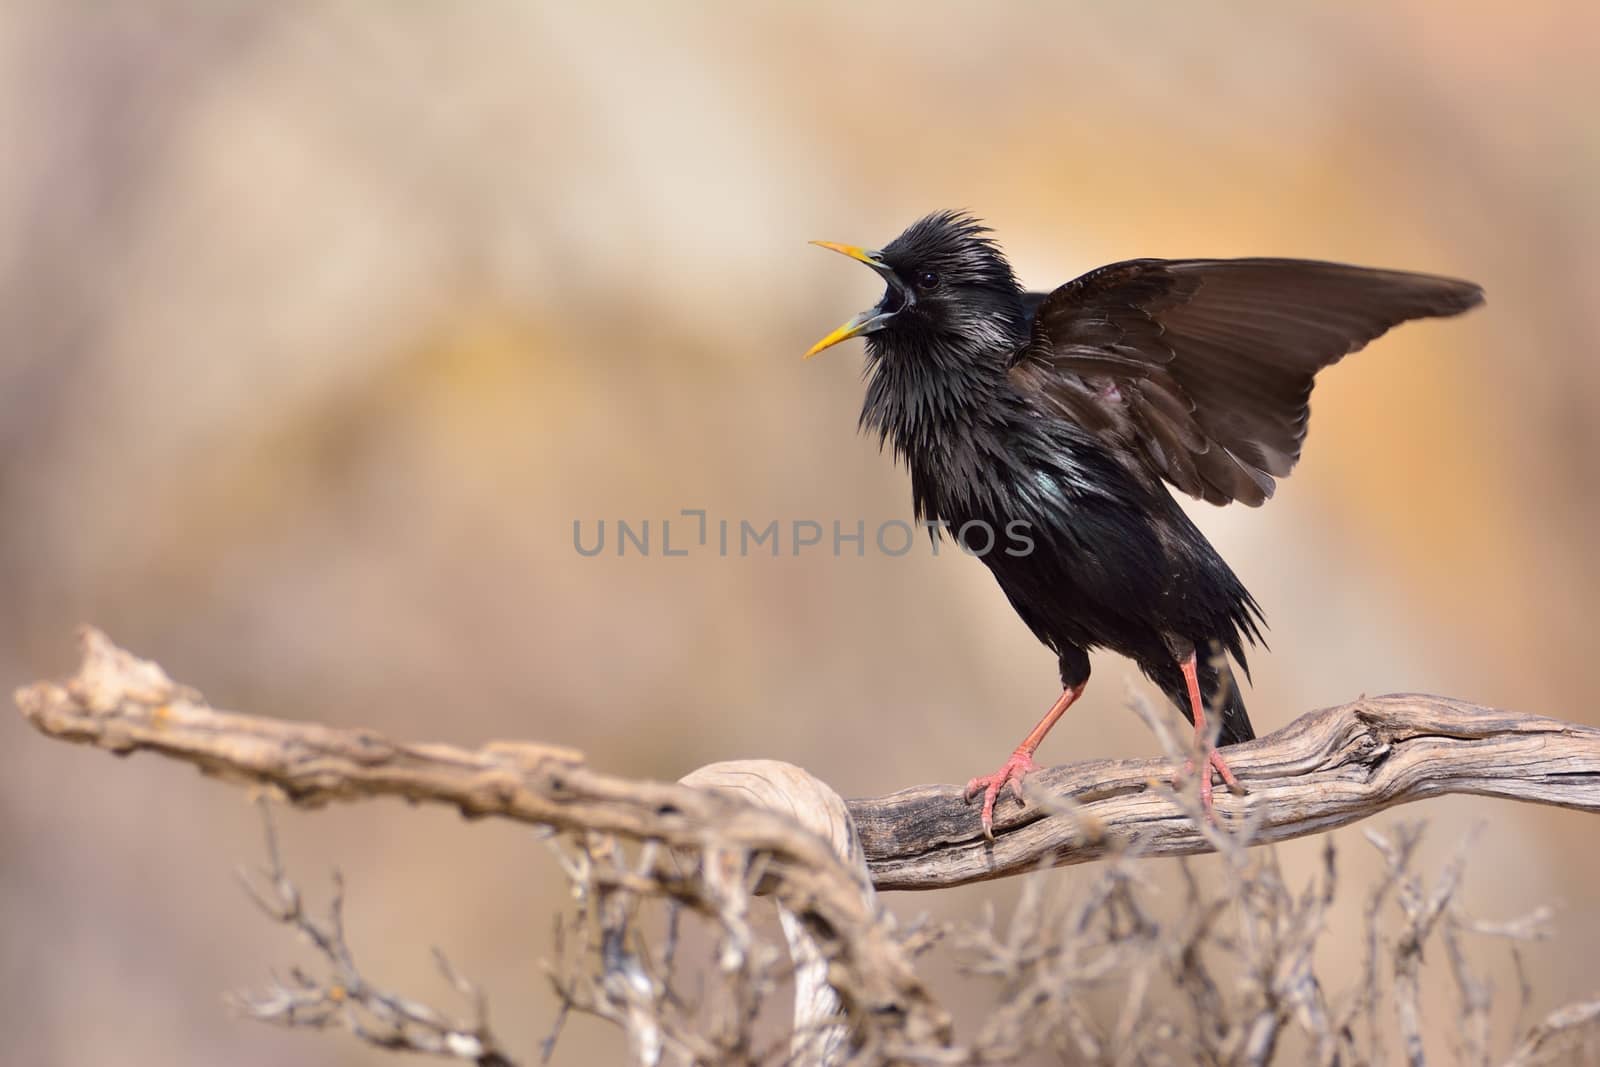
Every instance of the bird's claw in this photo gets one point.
(1214, 762)
(990, 785)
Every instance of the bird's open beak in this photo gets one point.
(867, 321)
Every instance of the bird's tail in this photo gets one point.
(1218, 687)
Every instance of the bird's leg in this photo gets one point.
(1214, 758)
(1021, 761)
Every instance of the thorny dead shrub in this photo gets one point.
(1097, 970)
(1103, 969)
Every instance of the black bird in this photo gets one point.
(1066, 411)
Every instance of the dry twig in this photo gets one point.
(347, 1000)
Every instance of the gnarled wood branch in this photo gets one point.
(124, 704)
(824, 856)
(1326, 769)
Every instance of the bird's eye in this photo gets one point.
(927, 280)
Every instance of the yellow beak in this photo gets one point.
(865, 322)
(854, 327)
(852, 251)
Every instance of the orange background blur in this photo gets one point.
(320, 328)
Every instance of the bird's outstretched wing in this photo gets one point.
(1203, 368)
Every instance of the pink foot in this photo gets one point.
(1020, 763)
(1214, 762)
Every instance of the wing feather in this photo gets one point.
(1202, 369)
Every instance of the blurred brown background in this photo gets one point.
(319, 329)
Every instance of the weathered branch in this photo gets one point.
(125, 704)
(1326, 769)
(730, 829)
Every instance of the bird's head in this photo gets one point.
(949, 288)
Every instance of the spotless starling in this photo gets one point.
(1067, 411)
